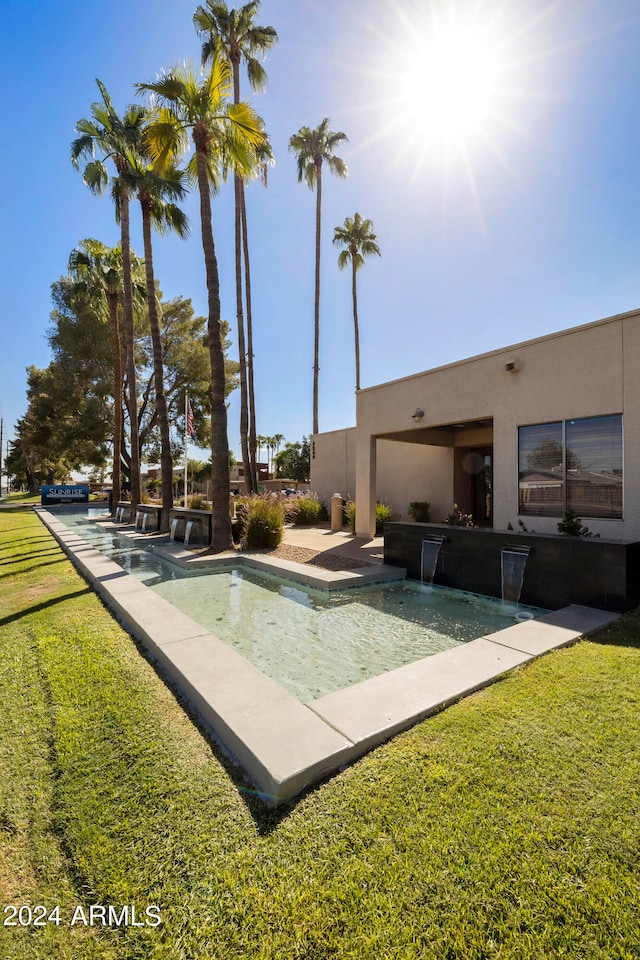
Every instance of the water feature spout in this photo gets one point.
(174, 526)
(429, 558)
(513, 561)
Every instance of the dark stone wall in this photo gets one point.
(559, 571)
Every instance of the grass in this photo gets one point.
(18, 497)
(505, 827)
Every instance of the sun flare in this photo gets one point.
(452, 78)
(450, 84)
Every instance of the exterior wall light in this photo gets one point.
(418, 415)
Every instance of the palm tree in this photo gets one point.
(97, 269)
(264, 157)
(237, 35)
(156, 190)
(359, 241)
(313, 148)
(262, 441)
(200, 108)
(114, 136)
(278, 440)
(270, 444)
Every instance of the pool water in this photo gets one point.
(311, 642)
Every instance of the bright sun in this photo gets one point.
(450, 84)
(450, 77)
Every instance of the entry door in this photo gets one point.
(482, 488)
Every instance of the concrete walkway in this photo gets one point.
(282, 744)
(343, 544)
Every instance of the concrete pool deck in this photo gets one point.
(285, 745)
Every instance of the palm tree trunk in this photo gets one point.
(242, 355)
(130, 349)
(316, 326)
(238, 195)
(166, 460)
(117, 400)
(221, 538)
(250, 381)
(355, 319)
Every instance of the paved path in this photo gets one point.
(344, 544)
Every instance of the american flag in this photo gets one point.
(190, 429)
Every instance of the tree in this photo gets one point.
(293, 462)
(156, 191)
(359, 240)
(313, 148)
(201, 109)
(115, 137)
(237, 35)
(186, 369)
(63, 428)
(96, 270)
(80, 341)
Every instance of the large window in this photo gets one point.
(541, 470)
(571, 465)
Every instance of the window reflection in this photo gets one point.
(594, 466)
(576, 465)
(540, 470)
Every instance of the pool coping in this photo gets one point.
(285, 745)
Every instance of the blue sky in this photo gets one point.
(521, 220)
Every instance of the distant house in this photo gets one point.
(518, 434)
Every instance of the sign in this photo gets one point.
(64, 494)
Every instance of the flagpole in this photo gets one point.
(186, 442)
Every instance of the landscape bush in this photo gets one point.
(384, 514)
(350, 515)
(197, 502)
(305, 511)
(457, 518)
(571, 525)
(419, 510)
(263, 523)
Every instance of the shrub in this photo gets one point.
(263, 523)
(571, 525)
(419, 511)
(459, 519)
(303, 511)
(384, 514)
(350, 515)
(197, 502)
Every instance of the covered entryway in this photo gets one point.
(465, 477)
(473, 483)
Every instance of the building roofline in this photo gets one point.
(508, 349)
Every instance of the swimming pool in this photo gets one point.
(311, 642)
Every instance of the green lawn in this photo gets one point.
(15, 498)
(506, 827)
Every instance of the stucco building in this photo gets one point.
(518, 434)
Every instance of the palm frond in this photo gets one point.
(170, 217)
(257, 75)
(165, 138)
(343, 259)
(96, 176)
(82, 147)
(337, 166)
